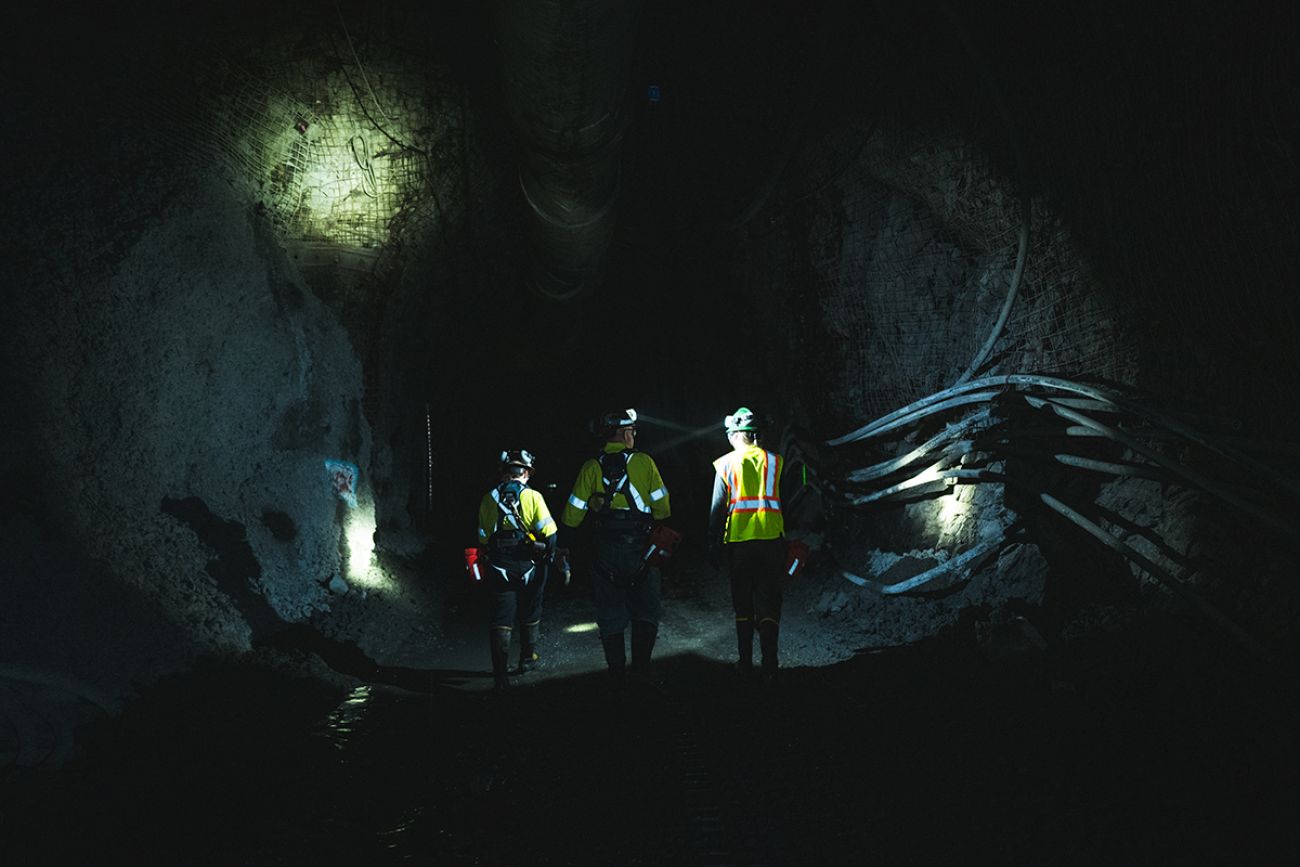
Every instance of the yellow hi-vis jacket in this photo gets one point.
(644, 490)
(532, 508)
(753, 480)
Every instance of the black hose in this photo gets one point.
(943, 438)
(1173, 466)
(1020, 380)
(1179, 588)
(966, 558)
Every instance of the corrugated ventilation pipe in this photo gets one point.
(564, 72)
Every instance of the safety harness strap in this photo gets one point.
(624, 484)
(511, 537)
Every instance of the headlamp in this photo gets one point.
(521, 458)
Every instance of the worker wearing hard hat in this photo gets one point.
(623, 491)
(518, 533)
(746, 529)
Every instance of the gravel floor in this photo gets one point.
(1154, 746)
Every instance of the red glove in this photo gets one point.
(796, 557)
(472, 556)
(661, 544)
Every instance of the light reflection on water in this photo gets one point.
(342, 722)
(398, 837)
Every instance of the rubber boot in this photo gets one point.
(745, 645)
(500, 656)
(643, 643)
(767, 636)
(615, 657)
(529, 658)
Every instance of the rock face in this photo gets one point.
(191, 389)
(186, 348)
(1012, 575)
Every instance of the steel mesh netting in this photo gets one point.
(1199, 230)
(1058, 322)
(901, 295)
(1169, 269)
(913, 251)
(334, 153)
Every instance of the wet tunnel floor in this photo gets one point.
(1134, 753)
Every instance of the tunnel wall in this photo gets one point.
(184, 388)
(889, 247)
(274, 256)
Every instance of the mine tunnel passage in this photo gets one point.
(322, 265)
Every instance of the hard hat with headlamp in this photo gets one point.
(618, 419)
(743, 419)
(518, 458)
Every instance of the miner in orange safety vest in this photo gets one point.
(746, 525)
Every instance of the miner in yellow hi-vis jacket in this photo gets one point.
(622, 490)
(518, 533)
(745, 521)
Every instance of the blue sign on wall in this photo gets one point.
(343, 476)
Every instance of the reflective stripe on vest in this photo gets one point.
(752, 514)
(768, 498)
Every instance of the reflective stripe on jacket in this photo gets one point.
(752, 477)
(644, 490)
(532, 508)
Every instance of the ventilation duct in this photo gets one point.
(564, 69)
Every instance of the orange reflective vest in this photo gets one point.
(753, 479)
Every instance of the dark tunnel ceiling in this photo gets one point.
(738, 82)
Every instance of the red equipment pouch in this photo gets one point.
(660, 545)
(796, 556)
(472, 556)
